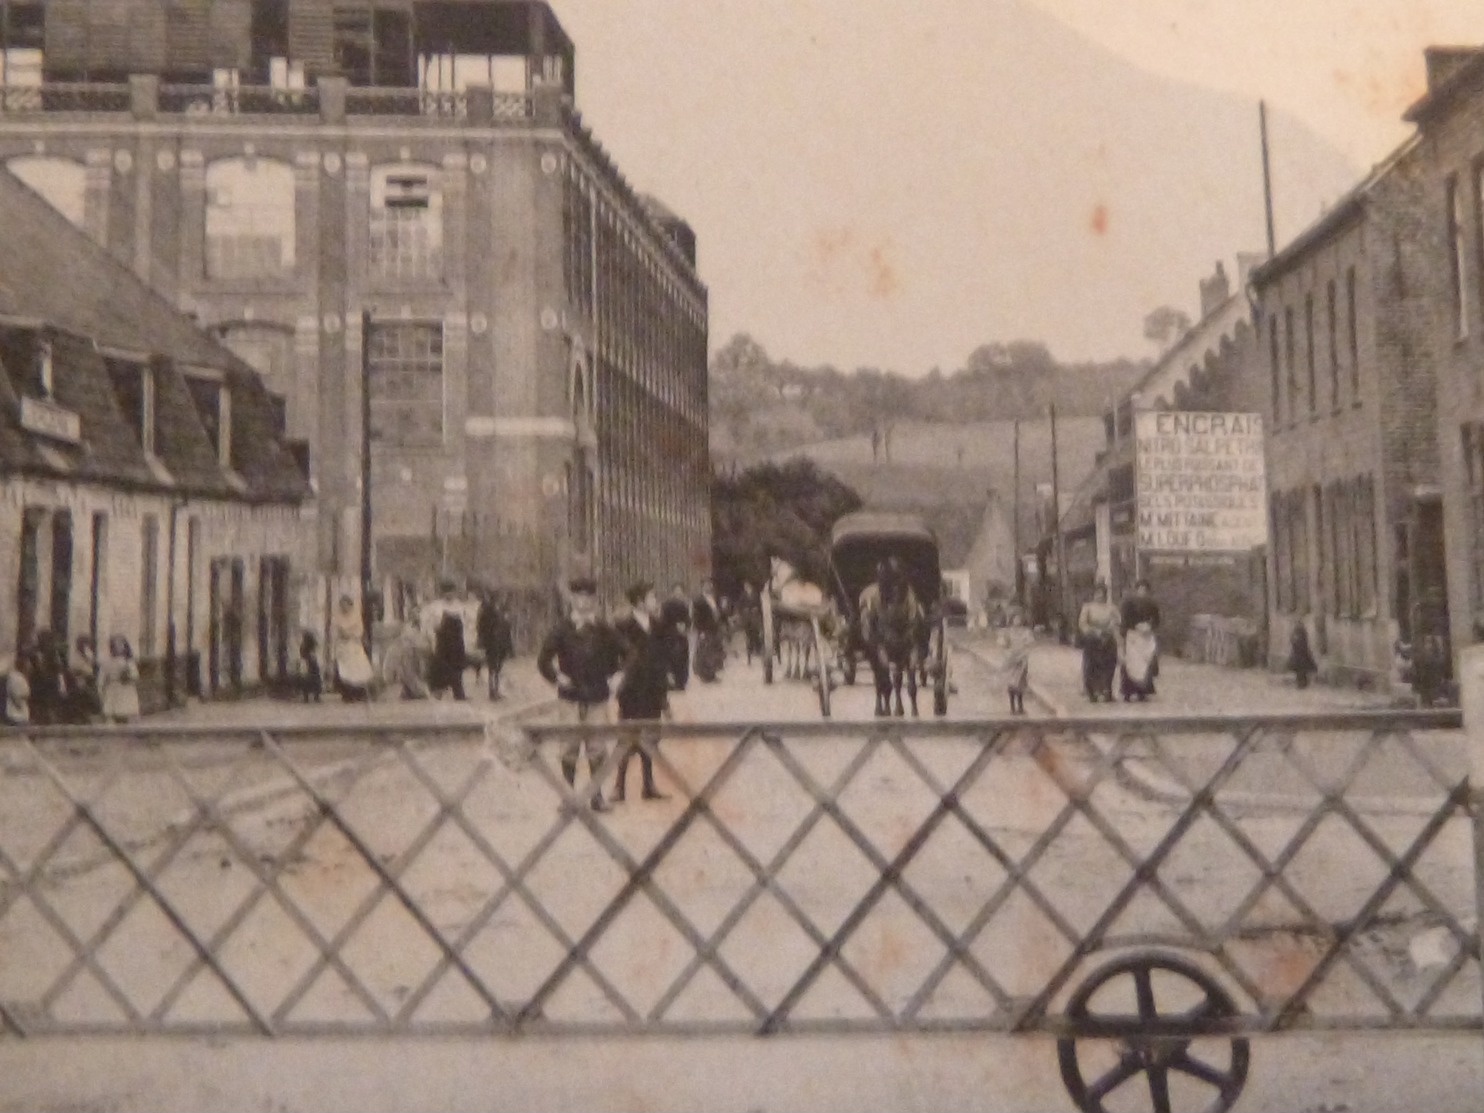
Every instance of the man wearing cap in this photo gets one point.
(644, 692)
(579, 656)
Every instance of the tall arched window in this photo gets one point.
(249, 218)
(60, 180)
(406, 223)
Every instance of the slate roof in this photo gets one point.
(54, 278)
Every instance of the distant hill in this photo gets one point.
(761, 407)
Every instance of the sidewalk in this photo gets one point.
(1190, 688)
(521, 686)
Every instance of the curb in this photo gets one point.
(1139, 777)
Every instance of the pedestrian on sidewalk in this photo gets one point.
(580, 656)
(1016, 639)
(1300, 657)
(15, 706)
(1097, 633)
(644, 691)
(1140, 663)
(444, 620)
(352, 666)
(675, 618)
(311, 677)
(118, 682)
(404, 665)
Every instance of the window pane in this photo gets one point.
(406, 383)
(249, 218)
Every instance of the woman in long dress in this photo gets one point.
(1140, 664)
(1097, 630)
(352, 666)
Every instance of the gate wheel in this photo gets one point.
(1154, 1057)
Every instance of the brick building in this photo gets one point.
(145, 487)
(1205, 370)
(536, 344)
(1346, 364)
(1450, 123)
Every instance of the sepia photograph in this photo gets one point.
(746, 555)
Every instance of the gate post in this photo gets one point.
(1471, 701)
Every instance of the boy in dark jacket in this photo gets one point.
(644, 692)
(579, 656)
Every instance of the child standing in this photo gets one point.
(313, 680)
(118, 681)
(1016, 639)
(1300, 657)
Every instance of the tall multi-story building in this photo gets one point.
(396, 196)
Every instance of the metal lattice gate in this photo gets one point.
(1150, 892)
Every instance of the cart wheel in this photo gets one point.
(822, 677)
(1155, 1057)
(770, 644)
(941, 674)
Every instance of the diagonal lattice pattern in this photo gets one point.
(798, 878)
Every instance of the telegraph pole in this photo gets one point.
(366, 476)
(1015, 525)
(1267, 176)
(1061, 551)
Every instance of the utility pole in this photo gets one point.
(1267, 175)
(1015, 524)
(1061, 551)
(366, 586)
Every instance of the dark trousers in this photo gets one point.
(628, 744)
(680, 660)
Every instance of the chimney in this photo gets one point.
(1445, 61)
(1214, 291)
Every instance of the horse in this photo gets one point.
(892, 625)
(795, 600)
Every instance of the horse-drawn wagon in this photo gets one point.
(888, 587)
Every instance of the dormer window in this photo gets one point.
(213, 400)
(134, 387)
(46, 383)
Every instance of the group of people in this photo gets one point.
(45, 686)
(648, 650)
(1119, 642)
(428, 655)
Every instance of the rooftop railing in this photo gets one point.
(64, 96)
(246, 100)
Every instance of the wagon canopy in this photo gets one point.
(859, 542)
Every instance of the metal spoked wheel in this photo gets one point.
(822, 678)
(1174, 1002)
(940, 672)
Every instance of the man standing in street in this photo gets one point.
(580, 655)
(675, 621)
(492, 632)
(644, 692)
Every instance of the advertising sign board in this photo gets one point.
(1201, 486)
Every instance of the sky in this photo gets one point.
(845, 187)
(822, 151)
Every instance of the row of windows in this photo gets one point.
(1296, 390)
(1464, 302)
(1333, 526)
(250, 220)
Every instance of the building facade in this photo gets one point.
(397, 198)
(145, 485)
(1347, 367)
(1450, 123)
(1204, 371)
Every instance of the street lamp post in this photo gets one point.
(1059, 539)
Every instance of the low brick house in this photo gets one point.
(145, 486)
